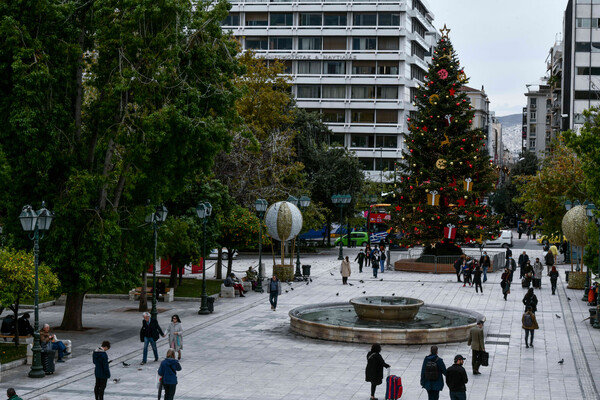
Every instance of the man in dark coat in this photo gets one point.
(485, 263)
(149, 334)
(512, 267)
(25, 328)
(456, 379)
(101, 370)
(458, 266)
(477, 346)
(523, 258)
(432, 386)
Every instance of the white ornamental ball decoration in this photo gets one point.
(283, 220)
(573, 225)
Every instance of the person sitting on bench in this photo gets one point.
(46, 339)
(232, 281)
(25, 328)
(251, 277)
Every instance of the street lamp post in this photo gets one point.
(341, 200)
(261, 209)
(204, 210)
(371, 199)
(156, 218)
(36, 222)
(302, 204)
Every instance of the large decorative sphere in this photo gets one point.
(573, 225)
(283, 220)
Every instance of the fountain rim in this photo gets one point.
(418, 302)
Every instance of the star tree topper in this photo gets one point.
(445, 31)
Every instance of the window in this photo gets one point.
(418, 28)
(387, 117)
(334, 43)
(387, 142)
(309, 43)
(588, 71)
(387, 92)
(232, 19)
(533, 116)
(389, 19)
(334, 116)
(280, 43)
(412, 94)
(587, 22)
(287, 66)
(334, 67)
(309, 67)
(417, 73)
(532, 130)
(282, 19)
(257, 43)
(364, 19)
(387, 68)
(532, 144)
(532, 102)
(336, 140)
(417, 50)
(310, 19)
(366, 163)
(364, 43)
(587, 47)
(417, 5)
(309, 92)
(363, 67)
(334, 91)
(334, 19)
(256, 19)
(363, 92)
(361, 140)
(388, 43)
(585, 95)
(363, 116)
(384, 164)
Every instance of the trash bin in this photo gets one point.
(210, 302)
(567, 276)
(306, 270)
(593, 312)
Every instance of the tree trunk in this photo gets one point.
(173, 276)
(328, 231)
(219, 274)
(143, 306)
(72, 318)
(16, 319)
(180, 275)
(229, 261)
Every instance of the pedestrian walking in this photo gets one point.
(505, 283)
(368, 255)
(527, 275)
(168, 374)
(375, 262)
(101, 369)
(477, 346)
(174, 333)
(530, 324)
(549, 260)
(554, 250)
(564, 247)
(360, 257)
(485, 263)
(345, 270)
(456, 379)
(12, 395)
(466, 271)
(538, 270)
(274, 290)
(149, 334)
(458, 266)
(374, 369)
(382, 258)
(477, 278)
(432, 373)
(512, 266)
(530, 301)
(523, 258)
(553, 279)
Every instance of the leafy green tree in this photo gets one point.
(17, 280)
(179, 236)
(104, 106)
(445, 163)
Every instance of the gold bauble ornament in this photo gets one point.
(440, 163)
(574, 225)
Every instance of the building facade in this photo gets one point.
(537, 117)
(355, 62)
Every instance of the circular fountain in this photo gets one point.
(383, 319)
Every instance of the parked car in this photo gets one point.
(553, 239)
(360, 237)
(503, 240)
(214, 254)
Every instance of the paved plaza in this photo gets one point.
(246, 351)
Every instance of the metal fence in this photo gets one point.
(498, 259)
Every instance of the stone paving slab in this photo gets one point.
(246, 351)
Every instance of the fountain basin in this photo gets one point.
(433, 324)
(386, 308)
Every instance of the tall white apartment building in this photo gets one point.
(537, 120)
(356, 62)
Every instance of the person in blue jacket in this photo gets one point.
(433, 386)
(168, 373)
(102, 372)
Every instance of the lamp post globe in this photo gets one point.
(204, 210)
(35, 222)
(261, 208)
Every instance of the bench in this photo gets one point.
(168, 297)
(22, 339)
(228, 291)
(67, 344)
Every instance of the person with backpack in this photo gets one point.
(529, 325)
(530, 301)
(374, 369)
(431, 374)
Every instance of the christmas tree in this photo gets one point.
(446, 171)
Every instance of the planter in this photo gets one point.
(576, 280)
(285, 272)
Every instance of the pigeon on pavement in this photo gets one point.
(561, 362)
(125, 364)
(557, 316)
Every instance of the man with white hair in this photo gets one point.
(149, 334)
(50, 340)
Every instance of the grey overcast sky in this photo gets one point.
(502, 44)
